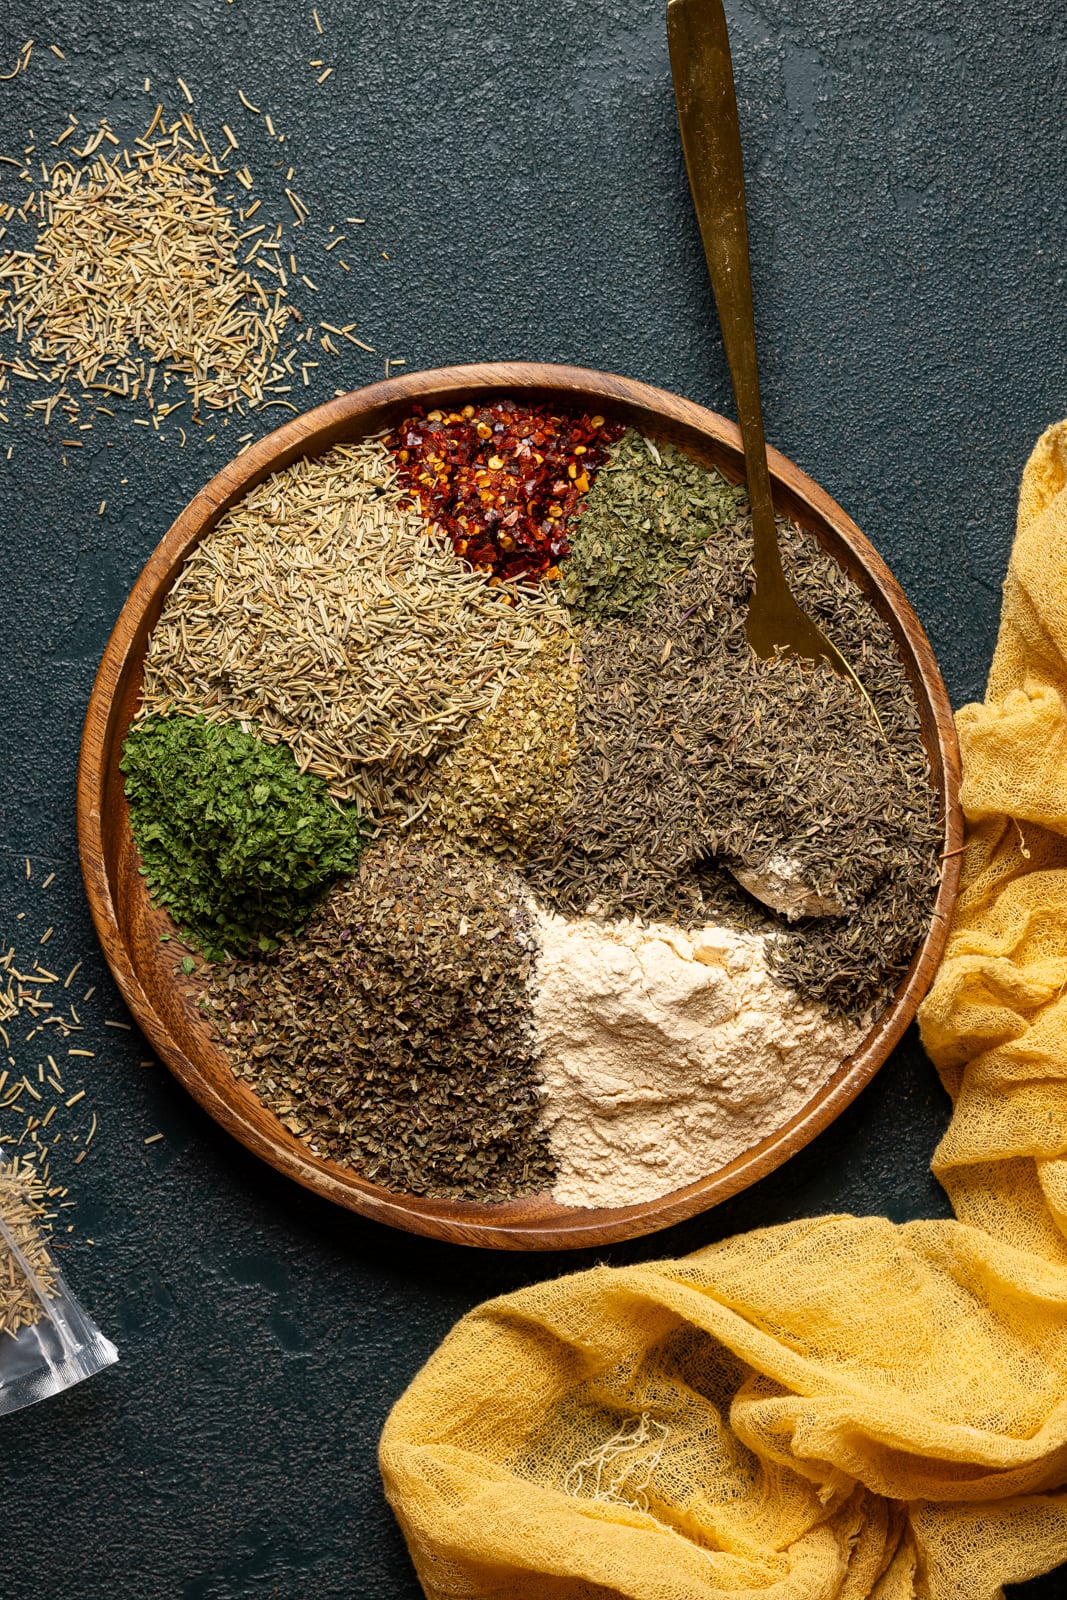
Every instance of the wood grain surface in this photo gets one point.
(163, 1001)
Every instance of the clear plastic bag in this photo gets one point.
(47, 1342)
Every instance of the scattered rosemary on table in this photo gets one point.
(46, 1120)
(137, 271)
(144, 286)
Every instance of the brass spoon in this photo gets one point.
(711, 139)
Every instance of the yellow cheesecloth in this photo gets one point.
(837, 1408)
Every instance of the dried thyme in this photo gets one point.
(650, 512)
(233, 839)
(694, 756)
(327, 614)
(394, 1035)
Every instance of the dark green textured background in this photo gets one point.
(519, 166)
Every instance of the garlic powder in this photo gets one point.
(667, 1054)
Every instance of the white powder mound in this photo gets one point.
(666, 1054)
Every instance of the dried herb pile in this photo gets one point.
(139, 272)
(503, 480)
(24, 1213)
(649, 514)
(325, 612)
(695, 756)
(234, 840)
(394, 1034)
(505, 783)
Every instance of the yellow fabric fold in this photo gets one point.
(839, 1408)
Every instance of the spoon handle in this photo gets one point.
(711, 139)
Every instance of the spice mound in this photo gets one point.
(326, 613)
(136, 270)
(395, 1034)
(698, 763)
(650, 513)
(233, 839)
(503, 481)
(666, 1054)
(506, 782)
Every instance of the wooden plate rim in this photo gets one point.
(533, 1223)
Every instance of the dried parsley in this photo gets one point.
(650, 512)
(395, 1034)
(235, 841)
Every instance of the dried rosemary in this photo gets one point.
(137, 257)
(45, 1118)
(23, 1212)
(394, 1035)
(327, 614)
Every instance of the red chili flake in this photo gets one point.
(503, 480)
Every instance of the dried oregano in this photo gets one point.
(234, 840)
(648, 515)
(504, 784)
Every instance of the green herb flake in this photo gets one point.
(649, 514)
(235, 841)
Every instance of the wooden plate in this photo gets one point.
(129, 927)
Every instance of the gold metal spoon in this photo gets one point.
(711, 139)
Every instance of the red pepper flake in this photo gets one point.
(503, 480)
